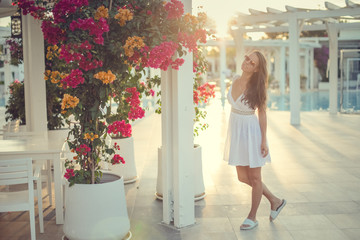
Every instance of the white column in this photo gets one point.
(34, 68)
(177, 142)
(294, 73)
(282, 70)
(333, 77)
(240, 49)
(277, 72)
(268, 61)
(222, 69)
(306, 68)
(312, 68)
(167, 146)
(213, 64)
(7, 74)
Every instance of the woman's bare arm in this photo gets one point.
(263, 126)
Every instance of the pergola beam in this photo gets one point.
(351, 4)
(273, 10)
(251, 20)
(331, 6)
(315, 27)
(264, 43)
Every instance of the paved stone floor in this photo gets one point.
(315, 167)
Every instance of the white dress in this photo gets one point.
(243, 141)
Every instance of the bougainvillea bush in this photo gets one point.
(100, 51)
(321, 56)
(16, 50)
(202, 92)
(15, 109)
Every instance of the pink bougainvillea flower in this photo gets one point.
(175, 9)
(187, 40)
(201, 35)
(73, 79)
(203, 93)
(52, 33)
(117, 159)
(120, 127)
(30, 7)
(152, 93)
(69, 173)
(78, 53)
(95, 28)
(161, 56)
(64, 8)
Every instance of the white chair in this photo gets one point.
(46, 164)
(20, 171)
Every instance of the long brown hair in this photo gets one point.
(255, 94)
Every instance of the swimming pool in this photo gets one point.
(310, 101)
(314, 101)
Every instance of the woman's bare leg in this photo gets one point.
(243, 171)
(257, 191)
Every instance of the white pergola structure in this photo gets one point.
(271, 48)
(294, 20)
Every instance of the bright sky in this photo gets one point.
(222, 10)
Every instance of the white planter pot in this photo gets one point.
(127, 170)
(96, 211)
(199, 187)
(58, 135)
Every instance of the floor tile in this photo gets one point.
(306, 222)
(315, 167)
(319, 235)
(344, 221)
(352, 233)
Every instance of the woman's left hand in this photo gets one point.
(264, 149)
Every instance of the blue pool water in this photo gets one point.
(310, 101)
(314, 101)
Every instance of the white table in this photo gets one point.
(39, 149)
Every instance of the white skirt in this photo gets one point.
(243, 142)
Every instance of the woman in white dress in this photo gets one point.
(246, 145)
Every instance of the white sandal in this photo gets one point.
(275, 213)
(250, 224)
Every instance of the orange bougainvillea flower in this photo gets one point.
(52, 52)
(54, 76)
(47, 75)
(101, 12)
(69, 102)
(131, 43)
(202, 17)
(123, 16)
(91, 136)
(105, 77)
(190, 19)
